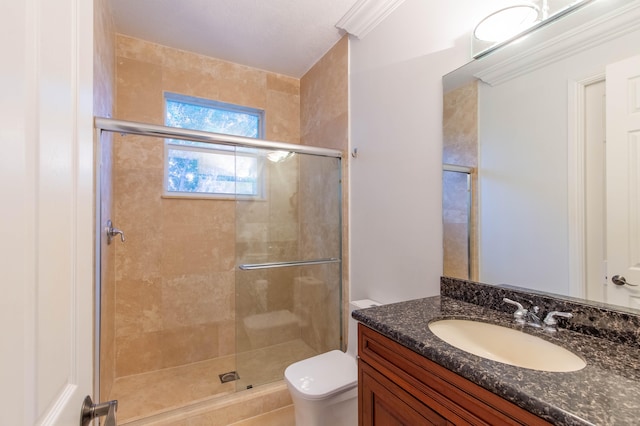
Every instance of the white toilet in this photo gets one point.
(324, 388)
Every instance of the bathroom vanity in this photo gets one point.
(407, 375)
(399, 384)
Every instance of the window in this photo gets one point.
(195, 169)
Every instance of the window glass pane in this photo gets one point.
(211, 172)
(205, 168)
(211, 119)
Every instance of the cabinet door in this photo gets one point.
(383, 403)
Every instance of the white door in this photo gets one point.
(46, 211)
(623, 180)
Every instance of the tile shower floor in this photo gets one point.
(159, 391)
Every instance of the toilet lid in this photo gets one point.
(324, 374)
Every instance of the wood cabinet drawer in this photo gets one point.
(385, 403)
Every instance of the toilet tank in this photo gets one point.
(352, 345)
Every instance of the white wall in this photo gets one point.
(396, 125)
(523, 177)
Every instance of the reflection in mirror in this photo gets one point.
(459, 206)
(531, 127)
(516, 20)
(457, 210)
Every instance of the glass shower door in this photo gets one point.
(288, 275)
(457, 223)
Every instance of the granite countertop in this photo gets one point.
(605, 392)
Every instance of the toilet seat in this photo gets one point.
(322, 375)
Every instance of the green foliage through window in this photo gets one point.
(195, 168)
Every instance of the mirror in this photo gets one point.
(528, 120)
(494, 31)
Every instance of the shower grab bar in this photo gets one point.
(455, 168)
(254, 266)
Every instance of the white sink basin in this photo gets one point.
(506, 345)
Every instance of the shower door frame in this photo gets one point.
(153, 130)
(124, 127)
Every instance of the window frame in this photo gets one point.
(219, 149)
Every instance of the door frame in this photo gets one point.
(576, 154)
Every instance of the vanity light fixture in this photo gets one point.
(514, 22)
(507, 22)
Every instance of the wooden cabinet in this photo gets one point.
(400, 387)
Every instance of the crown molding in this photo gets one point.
(365, 15)
(568, 40)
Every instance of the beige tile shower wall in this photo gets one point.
(103, 59)
(324, 93)
(104, 75)
(460, 147)
(175, 274)
(146, 69)
(324, 118)
(460, 126)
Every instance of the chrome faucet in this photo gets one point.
(530, 316)
(525, 316)
(520, 313)
(550, 321)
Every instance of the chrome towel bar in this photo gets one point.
(254, 266)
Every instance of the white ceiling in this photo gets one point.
(283, 36)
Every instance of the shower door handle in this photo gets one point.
(253, 266)
(112, 232)
(90, 411)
